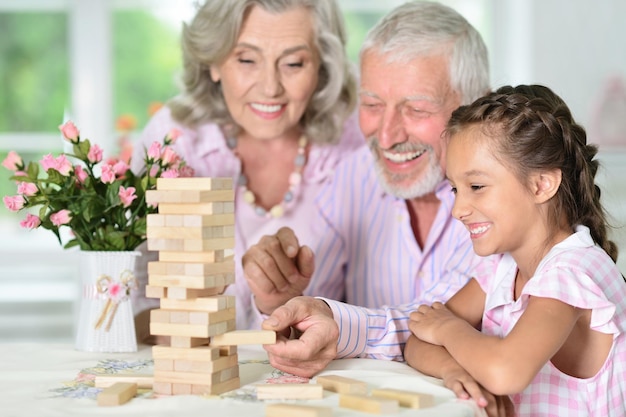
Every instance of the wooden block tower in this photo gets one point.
(194, 235)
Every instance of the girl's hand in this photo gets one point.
(429, 323)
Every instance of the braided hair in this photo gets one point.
(535, 131)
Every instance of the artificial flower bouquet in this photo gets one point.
(101, 201)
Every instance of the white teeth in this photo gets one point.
(477, 230)
(401, 157)
(266, 108)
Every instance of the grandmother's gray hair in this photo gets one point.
(212, 34)
(423, 28)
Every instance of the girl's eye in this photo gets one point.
(453, 189)
(477, 187)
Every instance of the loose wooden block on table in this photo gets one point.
(245, 337)
(368, 404)
(195, 183)
(141, 380)
(289, 391)
(408, 399)
(117, 394)
(342, 385)
(296, 410)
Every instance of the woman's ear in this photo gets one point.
(545, 184)
(215, 74)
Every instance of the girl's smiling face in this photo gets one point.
(499, 211)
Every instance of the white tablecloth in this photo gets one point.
(40, 380)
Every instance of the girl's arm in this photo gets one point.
(501, 365)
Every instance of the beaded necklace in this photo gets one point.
(295, 178)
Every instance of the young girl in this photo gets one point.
(544, 319)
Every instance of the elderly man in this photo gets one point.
(388, 238)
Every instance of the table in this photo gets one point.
(42, 379)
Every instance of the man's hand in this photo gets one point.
(277, 269)
(316, 346)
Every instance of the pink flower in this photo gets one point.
(127, 195)
(61, 217)
(186, 171)
(13, 161)
(154, 170)
(14, 203)
(81, 174)
(154, 152)
(120, 168)
(95, 154)
(30, 222)
(116, 291)
(60, 164)
(173, 135)
(108, 174)
(169, 156)
(170, 173)
(70, 131)
(26, 188)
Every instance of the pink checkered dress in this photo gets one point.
(581, 274)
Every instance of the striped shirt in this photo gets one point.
(367, 256)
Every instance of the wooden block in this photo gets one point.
(368, 404)
(216, 207)
(180, 293)
(245, 337)
(201, 353)
(178, 316)
(190, 245)
(215, 303)
(216, 389)
(197, 378)
(408, 399)
(204, 365)
(289, 391)
(141, 380)
(209, 232)
(117, 394)
(193, 269)
(189, 281)
(202, 257)
(155, 220)
(181, 389)
(205, 317)
(188, 342)
(162, 388)
(160, 316)
(228, 350)
(163, 364)
(188, 196)
(197, 220)
(195, 183)
(191, 330)
(153, 291)
(296, 410)
(342, 385)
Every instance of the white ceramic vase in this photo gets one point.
(105, 320)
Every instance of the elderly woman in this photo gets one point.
(268, 99)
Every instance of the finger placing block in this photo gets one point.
(195, 183)
(342, 385)
(289, 391)
(408, 399)
(296, 410)
(245, 337)
(117, 394)
(368, 404)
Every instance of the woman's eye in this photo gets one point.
(477, 187)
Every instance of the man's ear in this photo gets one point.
(545, 184)
(215, 74)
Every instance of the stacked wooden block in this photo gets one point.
(194, 235)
